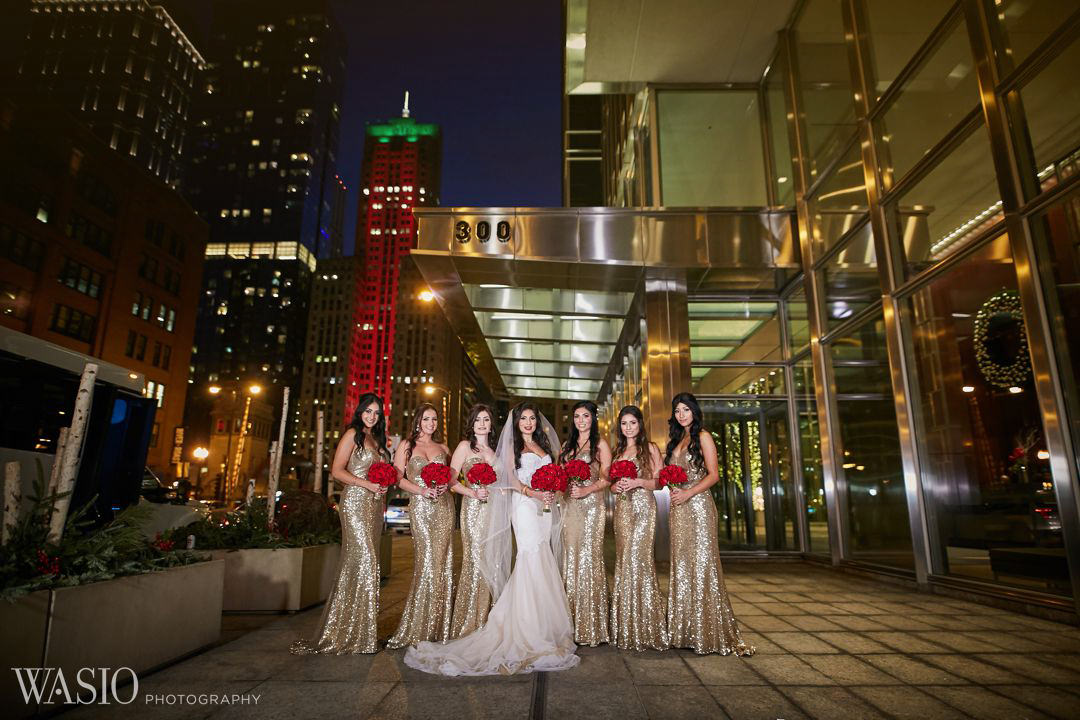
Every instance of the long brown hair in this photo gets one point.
(539, 436)
(570, 449)
(470, 433)
(418, 415)
(644, 457)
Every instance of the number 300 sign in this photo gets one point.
(463, 231)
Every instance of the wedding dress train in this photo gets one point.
(528, 628)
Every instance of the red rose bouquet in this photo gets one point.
(622, 470)
(382, 474)
(549, 478)
(577, 471)
(481, 474)
(436, 475)
(671, 475)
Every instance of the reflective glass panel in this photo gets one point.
(753, 380)
(754, 497)
(782, 180)
(868, 450)
(711, 149)
(734, 331)
(824, 82)
(985, 468)
(897, 30)
(931, 103)
(840, 202)
(1051, 105)
(798, 322)
(810, 450)
(949, 207)
(851, 278)
(1025, 24)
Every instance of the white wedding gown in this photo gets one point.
(529, 627)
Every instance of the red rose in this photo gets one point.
(382, 474)
(577, 470)
(623, 469)
(481, 474)
(672, 475)
(436, 474)
(549, 478)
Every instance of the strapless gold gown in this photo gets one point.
(429, 606)
(583, 563)
(473, 598)
(349, 617)
(699, 610)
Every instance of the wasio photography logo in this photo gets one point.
(105, 686)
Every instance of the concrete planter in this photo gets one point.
(138, 621)
(282, 580)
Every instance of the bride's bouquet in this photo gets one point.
(382, 474)
(671, 475)
(549, 478)
(622, 470)
(436, 475)
(577, 471)
(481, 474)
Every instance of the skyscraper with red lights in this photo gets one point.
(402, 160)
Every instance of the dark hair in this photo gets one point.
(378, 431)
(570, 449)
(539, 436)
(470, 434)
(414, 435)
(675, 430)
(644, 459)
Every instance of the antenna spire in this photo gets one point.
(405, 110)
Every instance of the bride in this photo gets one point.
(529, 626)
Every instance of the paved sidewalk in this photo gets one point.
(830, 645)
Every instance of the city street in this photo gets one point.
(830, 645)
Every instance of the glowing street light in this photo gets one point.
(426, 295)
(429, 389)
(200, 453)
(255, 389)
(214, 389)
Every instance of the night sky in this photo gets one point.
(489, 72)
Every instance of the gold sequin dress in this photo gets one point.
(638, 610)
(699, 611)
(583, 562)
(349, 617)
(473, 598)
(428, 608)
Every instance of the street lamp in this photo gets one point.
(214, 389)
(426, 295)
(200, 454)
(429, 390)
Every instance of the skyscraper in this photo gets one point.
(126, 69)
(264, 171)
(402, 162)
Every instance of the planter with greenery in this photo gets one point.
(285, 566)
(100, 597)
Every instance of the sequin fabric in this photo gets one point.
(428, 608)
(473, 598)
(699, 611)
(348, 623)
(583, 563)
(638, 610)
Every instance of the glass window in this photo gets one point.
(868, 450)
(810, 449)
(985, 468)
(752, 380)
(754, 497)
(1025, 25)
(798, 322)
(840, 202)
(734, 331)
(934, 101)
(711, 149)
(851, 278)
(825, 82)
(1051, 104)
(780, 144)
(956, 202)
(897, 31)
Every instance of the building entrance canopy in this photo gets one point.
(541, 298)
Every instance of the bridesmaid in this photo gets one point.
(349, 618)
(583, 530)
(638, 610)
(699, 611)
(431, 518)
(473, 599)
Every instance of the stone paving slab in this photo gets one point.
(830, 645)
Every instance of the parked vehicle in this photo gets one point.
(397, 514)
